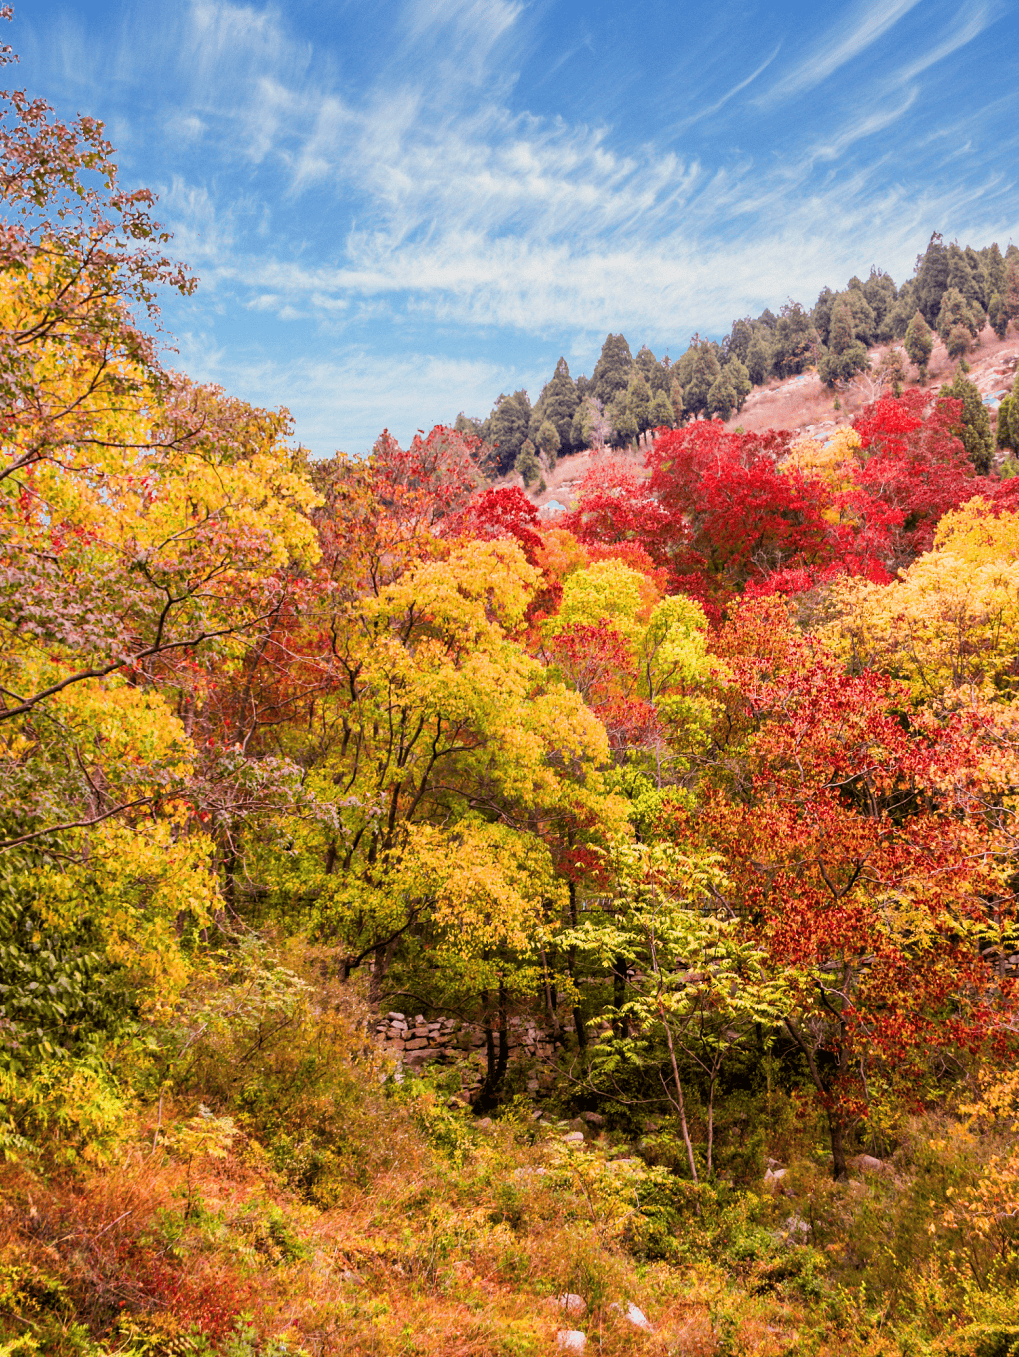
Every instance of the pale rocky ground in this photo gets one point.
(803, 404)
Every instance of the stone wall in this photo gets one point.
(418, 1042)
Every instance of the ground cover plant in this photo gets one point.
(711, 781)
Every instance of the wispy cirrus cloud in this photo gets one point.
(871, 22)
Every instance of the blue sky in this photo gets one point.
(398, 210)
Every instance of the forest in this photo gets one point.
(953, 294)
(428, 927)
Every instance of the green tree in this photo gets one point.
(698, 370)
(740, 378)
(994, 267)
(741, 336)
(919, 344)
(1003, 432)
(527, 466)
(795, 340)
(881, 294)
(612, 371)
(758, 360)
(956, 310)
(638, 401)
(958, 342)
(548, 443)
(507, 426)
(722, 396)
(558, 403)
(662, 414)
(975, 427)
(931, 278)
(997, 314)
(821, 314)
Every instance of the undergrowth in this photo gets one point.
(281, 1192)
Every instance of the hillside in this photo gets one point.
(802, 404)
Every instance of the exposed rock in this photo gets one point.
(571, 1340)
(866, 1163)
(570, 1302)
(574, 1137)
(634, 1314)
(593, 1118)
(773, 1177)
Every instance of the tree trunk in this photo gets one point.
(681, 1105)
(578, 1021)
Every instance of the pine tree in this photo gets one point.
(740, 378)
(997, 314)
(526, 465)
(638, 401)
(612, 371)
(548, 443)
(994, 266)
(975, 426)
(558, 403)
(722, 396)
(662, 414)
(919, 344)
(956, 310)
(506, 428)
(931, 278)
(758, 360)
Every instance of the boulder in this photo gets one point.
(571, 1303)
(571, 1340)
(634, 1315)
(574, 1137)
(593, 1118)
(773, 1177)
(866, 1163)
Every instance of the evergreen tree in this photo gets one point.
(931, 278)
(526, 463)
(975, 427)
(662, 414)
(919, 344)
(1011, 294)
(612, 371)
(864, 320)
(842, 331)
(507, 426)
(795, 341)
(997, 314)
(821, 314)
(956, 310)
(881, 294)
(898, 316)
(701, 362)
(558, 403)
(638, 401)
(722, 396)
(1004, 430)
(741, 336)
(740, 378)
(676, 397)
(958, 342)
(758, 360)
(994, 267)
(548, 443)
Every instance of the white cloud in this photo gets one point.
(873, 21)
